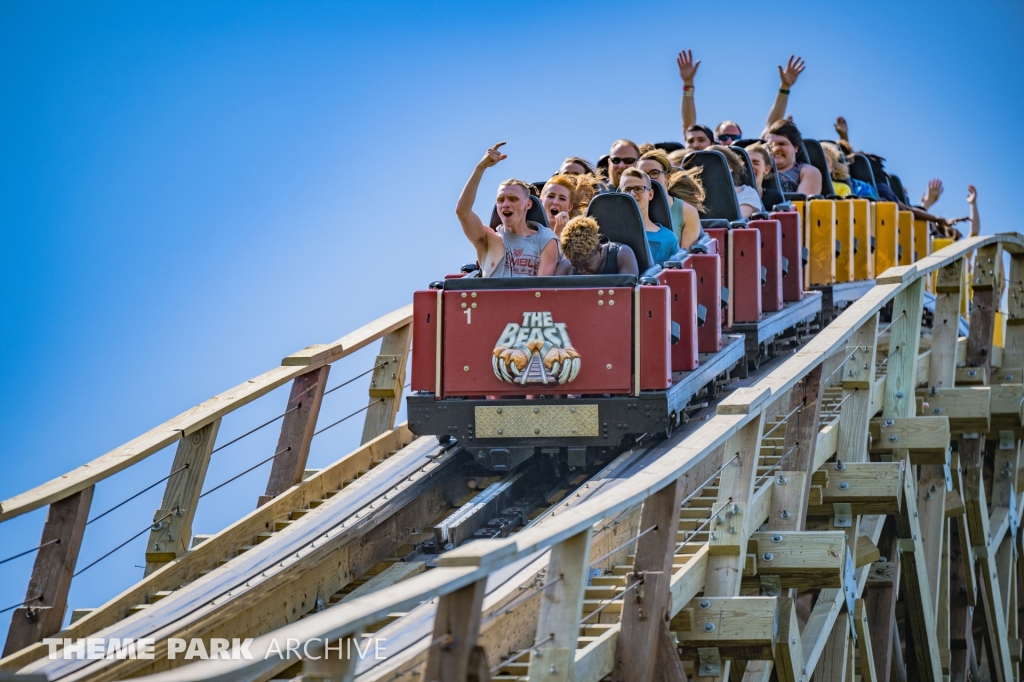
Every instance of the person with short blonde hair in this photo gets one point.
(586, 255)
(517, 248)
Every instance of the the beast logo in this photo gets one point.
(537, 351)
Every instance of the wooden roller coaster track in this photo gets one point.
(853, 509)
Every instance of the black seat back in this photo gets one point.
(817, 159)
(897, 187)
(771, 188)
(535, 213)
(720, 200)
(860, 169)
(668, 147)
(801, 154)
(747, 166)
(659, 210)
(618, 216)
(602, 164)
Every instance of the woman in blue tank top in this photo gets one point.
(661, 239)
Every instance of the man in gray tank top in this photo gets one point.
(517, 248)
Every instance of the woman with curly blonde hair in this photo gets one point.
(586, 255)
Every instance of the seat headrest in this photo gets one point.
(720, 200)
(668, 147)
(897, 187)
(535, 213)
(801, 154)
(619, 218)
(747, 166)
(817, 159)
(860, 169)
(714, 224)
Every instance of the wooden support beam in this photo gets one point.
(742, 628)
(1013, 343)
(798, 451)
(946, 322)
(172, 532)
(856, 411)
(867, 659)
(834, 664)
(386, 383)
(986, 283)
(297, 430)
(969, 409)
(989, 593)
(789, 655)
(558, 624)
(926, 438)
(806, 560)
(456, 628)
(47, 595)
(920, 598)
(647, 602)
(904, 340)
(931, 507)
(868, 487)
(727, 549)
(880, 598)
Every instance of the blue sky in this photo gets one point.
(192, 191)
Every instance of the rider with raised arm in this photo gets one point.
(517, 248)
(794, 67)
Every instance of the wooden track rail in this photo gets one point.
(866, 481)
(195, 431)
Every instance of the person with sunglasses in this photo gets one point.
(685, 217)
(662, 240)
(727, 132)
(623, 155)
(516, 248)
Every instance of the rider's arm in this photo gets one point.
(687, 70)
(787, 77)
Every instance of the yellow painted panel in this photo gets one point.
(886, 235)
(844, 235)
(1000, 330)
(922, 240)
(821, 229)
(938, 243)
(864, 233)
(906, 238)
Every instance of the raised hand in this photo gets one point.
(972, 194)
(559, 221)
(687, 67)
(794, 67)
(841, 128)
(493, 156)
(933, 193)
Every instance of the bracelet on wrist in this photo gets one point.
(687, 88)
(784, 91)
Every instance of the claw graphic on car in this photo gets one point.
(536, 351)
